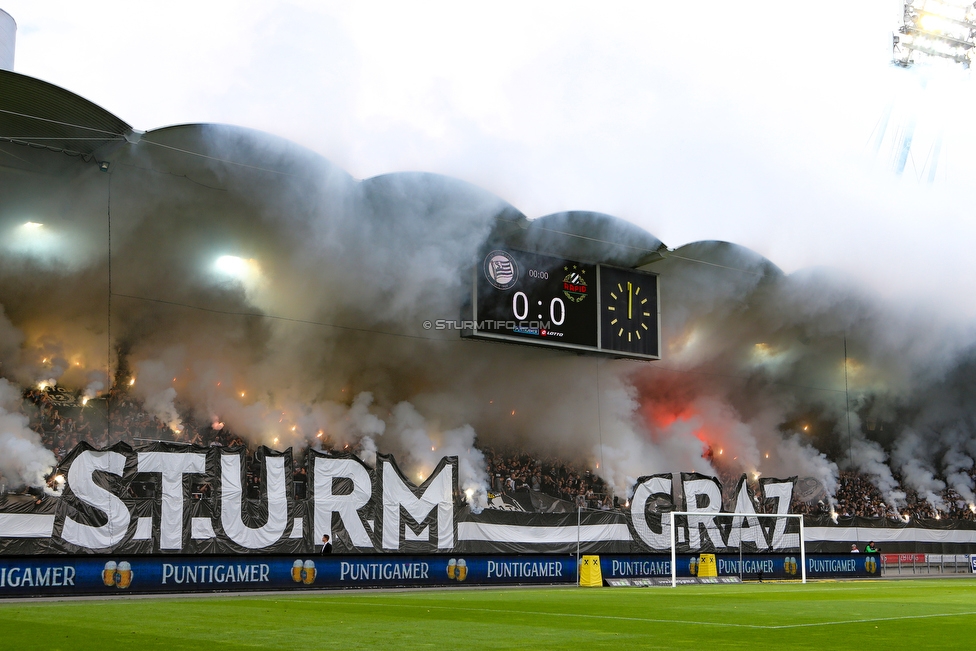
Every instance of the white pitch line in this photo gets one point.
(663, 621)
(872, 619)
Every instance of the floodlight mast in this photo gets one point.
(936, 30)
(674, 546)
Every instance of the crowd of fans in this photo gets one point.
(63, 424)
(516, 470)
(857, 496)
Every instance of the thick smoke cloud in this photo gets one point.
(23, 460)
(279, 297)
(808, 374)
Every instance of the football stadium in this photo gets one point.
(248, 399)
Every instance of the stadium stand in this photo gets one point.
(63, 420)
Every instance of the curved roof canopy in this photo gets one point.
(726, 256)
(39, 114)
(44, 116)
(583, 235)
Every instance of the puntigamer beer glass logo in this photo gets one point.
(118, 575)
(871, 564)
(790, 565)
(457, 569)
(303, 572)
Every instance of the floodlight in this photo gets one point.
(934, 30)
(243, 269)
(232, 265)
(238, 271)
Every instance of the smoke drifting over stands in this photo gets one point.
(220, 283)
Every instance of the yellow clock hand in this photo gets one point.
(630, 300)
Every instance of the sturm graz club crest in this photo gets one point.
(501, 270)
(574, 284)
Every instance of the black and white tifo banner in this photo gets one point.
(179, 499)
(170, 498)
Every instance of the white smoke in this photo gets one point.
(326, 344)
(958, 465)
(910, 455)
(870, 458)
(153, 383)
(23, 460)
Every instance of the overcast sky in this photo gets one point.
(747, 122)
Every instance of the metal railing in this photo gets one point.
(923, 564)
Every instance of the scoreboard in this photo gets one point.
(541, 300)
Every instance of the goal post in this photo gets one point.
(674, 547)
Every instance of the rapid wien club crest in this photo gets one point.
(574, 283)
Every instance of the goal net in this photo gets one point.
(777, 534)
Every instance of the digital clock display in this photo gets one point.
(541, 300)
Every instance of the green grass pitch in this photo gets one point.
(917, 614)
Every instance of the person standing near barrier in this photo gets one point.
(871, 549)
(855, 550)
(326, 545)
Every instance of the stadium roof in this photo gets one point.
(43, 116)
(39, 114)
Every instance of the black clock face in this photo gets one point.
(628, 311)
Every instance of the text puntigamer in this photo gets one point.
(831, 565)
(746, 566)
(37, 577)
(251, 573)
(519, 570)
(382, 571)
(641, 568)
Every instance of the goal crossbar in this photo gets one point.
(674, 548)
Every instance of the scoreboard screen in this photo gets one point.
(541, 300)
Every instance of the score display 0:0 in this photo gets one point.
(535, 273)
(525, 305)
